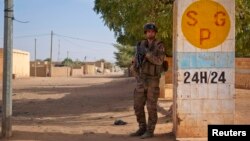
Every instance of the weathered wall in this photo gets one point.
(21, 66)
(77, 71)
(89, 69)
(61, 71)
(100, 65)
(242, 77)
(42, 69)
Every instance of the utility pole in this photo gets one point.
(51, 49)
(35, 57)
(67, 63)
(58, 57)
(7, 69)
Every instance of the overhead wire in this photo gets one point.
(10, 9)
(75, 44)
(86, 40)
(34, 35)
(64, 36)
(67, 39)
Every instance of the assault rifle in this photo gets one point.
(140, 53)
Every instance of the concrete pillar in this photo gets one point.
(204, 69)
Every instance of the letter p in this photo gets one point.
(204, 34)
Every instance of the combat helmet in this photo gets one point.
(150, 26)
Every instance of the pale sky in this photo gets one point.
(73, 18)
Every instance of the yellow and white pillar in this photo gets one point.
(204, 65)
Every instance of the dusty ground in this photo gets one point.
(84, 109)
(77, 109)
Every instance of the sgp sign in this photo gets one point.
(205, 24)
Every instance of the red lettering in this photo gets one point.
(189, 15)
(204, 34)
(220, 21)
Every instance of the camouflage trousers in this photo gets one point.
(146, 93)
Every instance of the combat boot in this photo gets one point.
(147, 134)
(139, 132)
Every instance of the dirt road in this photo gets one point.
(78, 109)
(84, 109)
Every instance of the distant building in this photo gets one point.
(21, 67)
(89, 68)
(42, 68)
(100, 66)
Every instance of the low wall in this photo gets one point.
(41, 71)
(89, 70)
(61, 71)
(77, 71)
(242, 76)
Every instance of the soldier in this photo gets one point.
(147, 74)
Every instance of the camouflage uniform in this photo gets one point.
(147, 89)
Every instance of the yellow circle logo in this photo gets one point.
(205, 24)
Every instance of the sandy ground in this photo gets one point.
(84, 109)
(77, 109)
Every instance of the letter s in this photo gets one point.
(244, 133)
(189, 15)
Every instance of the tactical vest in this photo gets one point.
(149, 69)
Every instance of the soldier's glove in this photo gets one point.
(147, 55)
(144, 51)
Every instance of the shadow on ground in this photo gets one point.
(65, 106)
(18, 135)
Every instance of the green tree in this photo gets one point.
(77, 63)
(39, 60)
(47, 59)
(108, 65)
(124, 55)
(68, 62)
(243, 28)
(127, 17)
(102, 60)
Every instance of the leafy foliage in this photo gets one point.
(47, 59)
(243, 28)
(124, 55)
(68, 62)
(107, 65)
(127, 17)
